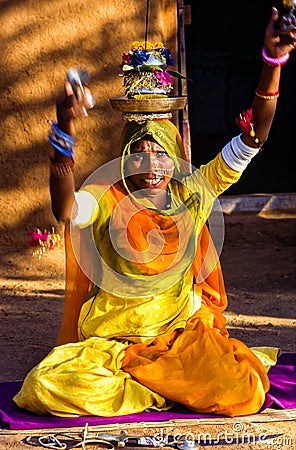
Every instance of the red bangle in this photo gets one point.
(260, 91)
(267, 95)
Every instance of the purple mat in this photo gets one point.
(282, 395)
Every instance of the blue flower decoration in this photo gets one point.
(139, 58)
(168, 57)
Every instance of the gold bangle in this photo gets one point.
(61, 170)
(267, 97)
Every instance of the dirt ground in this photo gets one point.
(258, 261)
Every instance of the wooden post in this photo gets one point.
(184, 17)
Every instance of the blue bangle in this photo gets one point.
(61, 141)
(69, 153)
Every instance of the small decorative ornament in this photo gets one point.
(245, 123)
(79, 77)
(43, 241)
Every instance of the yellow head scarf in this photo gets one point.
(165, 134)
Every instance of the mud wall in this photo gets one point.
(40, 40)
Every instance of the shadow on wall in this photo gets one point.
(40, 41)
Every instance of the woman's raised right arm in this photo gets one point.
(62, 185)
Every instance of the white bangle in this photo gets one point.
(237, 154)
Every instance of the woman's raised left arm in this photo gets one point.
(275, 54)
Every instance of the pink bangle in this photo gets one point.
(275, 61)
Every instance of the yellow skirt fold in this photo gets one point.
(85, 378)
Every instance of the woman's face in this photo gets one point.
(149, 166)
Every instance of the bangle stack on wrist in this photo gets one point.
(274, 62)
(61, 141)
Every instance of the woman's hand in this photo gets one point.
(69, 108)
(277, 44)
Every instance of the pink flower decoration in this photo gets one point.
(164, 77)
(43, 240)
(245, 121)
(37, 236)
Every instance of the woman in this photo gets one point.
(155, 334)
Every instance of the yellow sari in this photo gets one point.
(163, 345)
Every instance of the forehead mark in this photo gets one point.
(143, 146)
